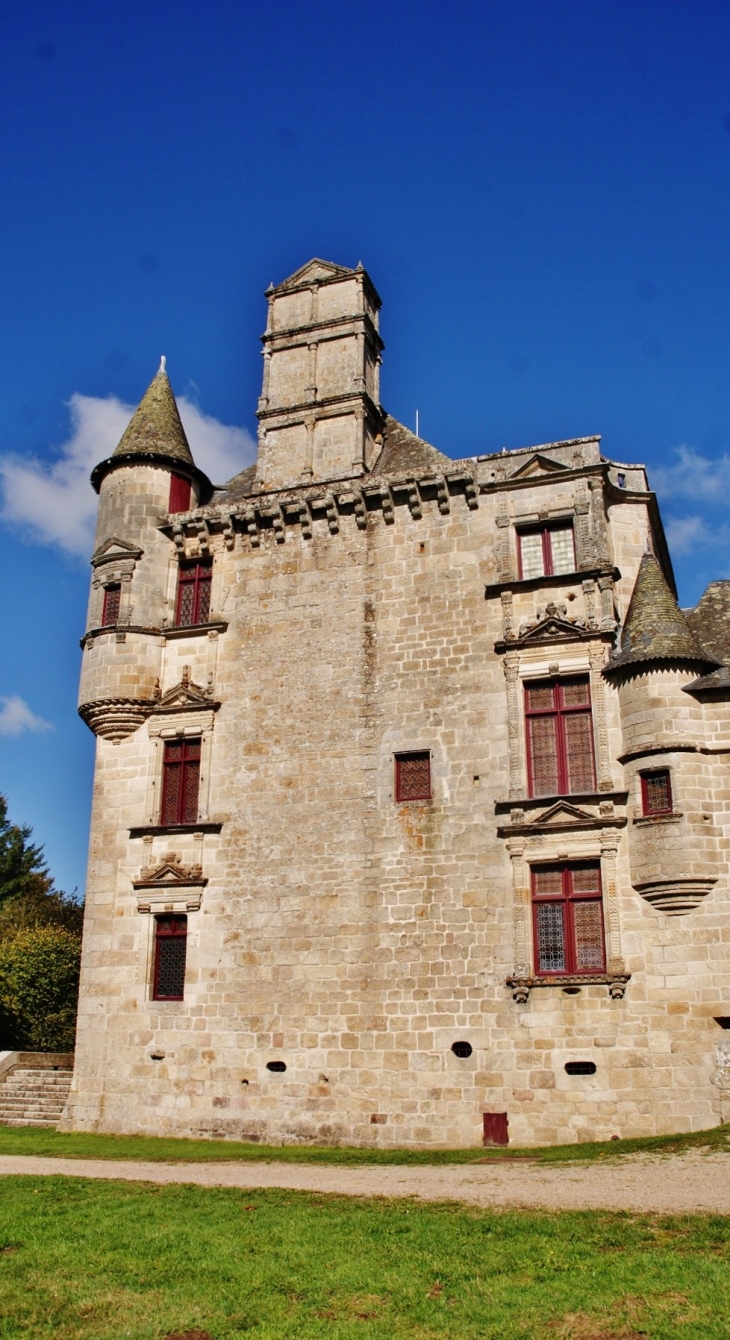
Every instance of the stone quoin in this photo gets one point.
(410, 819)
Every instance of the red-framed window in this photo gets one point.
(546, 550)
(180, 782)
(171, 937)
(112, 602)
(179, 494)
(656, 792)
(413, 776)
(567, 910)
(560, 758)
(193, 593)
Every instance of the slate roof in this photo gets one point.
(710, 620)
(155, 428)
(655, 627)
(404, 453)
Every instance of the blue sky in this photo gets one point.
(540, 191)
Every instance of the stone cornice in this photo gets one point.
(556, 579)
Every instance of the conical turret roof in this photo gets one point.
(155, 428)
(655, 627)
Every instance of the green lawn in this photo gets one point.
(26, 1140)
(81, 1260)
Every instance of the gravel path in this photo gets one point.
(675, 1184)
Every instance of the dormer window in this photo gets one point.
(546, 550)
(112, 603)
(193, 594)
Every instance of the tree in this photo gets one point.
(39, 982)
(28, 896)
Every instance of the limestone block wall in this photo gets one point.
(355, 938)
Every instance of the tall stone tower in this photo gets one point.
(319, 410)
(151, 473)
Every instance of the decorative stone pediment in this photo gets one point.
(186, 696)
(170, 885)
(561, 817)
(314, 271)
(538, 465)
(114, 549)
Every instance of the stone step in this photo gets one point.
(34, 1095)
(27, 1121)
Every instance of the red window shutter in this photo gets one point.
(191, 790)
(180, 782)
(543, 755)
(413, 776)
(112, 602)
(171, 782)
(204, 585)
(170, 955)
(193, 594)
(580, 767)
(656, 792)
(179, 494)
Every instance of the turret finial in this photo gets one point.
(163, 365)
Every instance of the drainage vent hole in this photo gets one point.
(580, 1067)
(278, 1067)
(723, 1020)
(461, 1049)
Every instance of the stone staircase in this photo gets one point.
(34, 1087)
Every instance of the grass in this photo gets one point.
(83, 1260)
(27, 1140)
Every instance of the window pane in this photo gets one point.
(575, 693)
(540, 697)
(531, 553)
(562, 548)
(543, 755)
(413, 777)
(170, 793)
(185, 602)
(191, 789)
(112, 601)
(585, 878)
(170, 978)
(579, 751)
(203, 599)
(657, 794)
(548, 883)
(550, 937)
(588, 924)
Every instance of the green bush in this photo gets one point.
(39, 983)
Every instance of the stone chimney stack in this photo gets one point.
(319, 412)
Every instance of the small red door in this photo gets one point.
(495, 1128)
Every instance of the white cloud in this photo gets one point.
(694, 477)
(16, 717)
(55, 503)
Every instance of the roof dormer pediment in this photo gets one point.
(314, 272)
(185, 695)
(538, 464)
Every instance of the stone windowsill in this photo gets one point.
(546, 802)
(555, 579)
(195, 629)
(615, 981)
(171, 830)
(648, 820)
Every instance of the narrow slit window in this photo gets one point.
(171, 934)
(413, 776)
(656, 792)
(179, 494)
(567, 908)
(180, 782)
(560, 756)
(546, 551)
(193, 594)
(112, 604)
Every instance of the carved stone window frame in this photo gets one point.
(188, 725)
(112, 572)
(533, 663)
(555, 849)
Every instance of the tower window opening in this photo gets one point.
(193, 594)
(171, 934)
(560, 758)
(180, 782)
(656, 792)
(545, 551)
(112, 604)
(179, 494)
(413, 776)
(567, 908)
